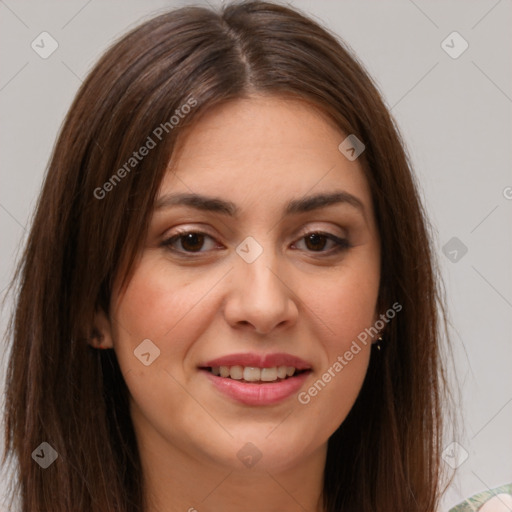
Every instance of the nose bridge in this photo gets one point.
(259, 295)
(259, 271)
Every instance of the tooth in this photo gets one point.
(254, 374)
(281, 372)
(251, 374)
(268, 374)
(236, 372)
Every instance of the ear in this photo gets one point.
(101, 336)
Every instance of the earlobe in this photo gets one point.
(101, 335)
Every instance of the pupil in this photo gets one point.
(316, 239)
(192, 241)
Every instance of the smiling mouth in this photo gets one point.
(255, 375)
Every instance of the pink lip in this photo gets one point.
(258, 394)
(259, 361)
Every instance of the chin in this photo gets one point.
(252, 450)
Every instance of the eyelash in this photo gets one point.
(341, 244)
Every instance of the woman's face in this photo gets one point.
(271, 275)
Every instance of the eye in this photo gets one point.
(190, 241)
(194, 241)
(316, 241)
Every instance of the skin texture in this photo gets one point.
(500, 503)
(258, 153)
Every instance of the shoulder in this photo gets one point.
(493, 500)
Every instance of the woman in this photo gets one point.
(228, 299)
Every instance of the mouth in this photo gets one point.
(257, 379)
(254, 374)
(257, 392)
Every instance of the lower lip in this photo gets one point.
(258, 394)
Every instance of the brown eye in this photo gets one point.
(192, 241)
(188, 242)
(324, 242)
(315, 241)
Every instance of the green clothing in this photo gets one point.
(475, 502)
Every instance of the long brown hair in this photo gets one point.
(385, 455)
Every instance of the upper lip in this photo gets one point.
(259, 361)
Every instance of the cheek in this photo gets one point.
(150, 298)
(156, 306)
(346, 305)
(346, 310)
(158, 301)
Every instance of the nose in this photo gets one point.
(259, 297)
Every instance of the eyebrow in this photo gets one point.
(295, 206)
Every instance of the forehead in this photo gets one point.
(263, 149)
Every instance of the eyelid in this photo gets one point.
(302, 232)
(341, 242)
(317, 229)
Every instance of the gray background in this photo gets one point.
(455, 118)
